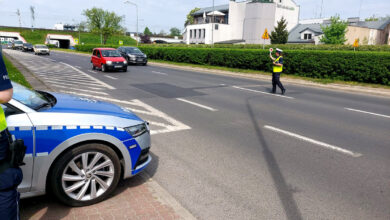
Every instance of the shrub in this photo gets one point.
(367, 67)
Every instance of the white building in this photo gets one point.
(240, 22)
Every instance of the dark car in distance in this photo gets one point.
(28, 47)
(133, 55)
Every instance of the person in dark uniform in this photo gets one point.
(10, 177)
(277, 70)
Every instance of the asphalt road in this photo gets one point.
(246, 154)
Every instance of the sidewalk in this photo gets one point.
(136, 198)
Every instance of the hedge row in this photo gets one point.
(367, 67)
(282, 46)
(362, 66)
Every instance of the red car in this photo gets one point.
(108, 59)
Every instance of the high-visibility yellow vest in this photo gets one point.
(3, 122)
(278, 69)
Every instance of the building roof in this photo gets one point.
(295, 34)
(380, 25)
(220, 8)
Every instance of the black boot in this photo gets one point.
(283, 91)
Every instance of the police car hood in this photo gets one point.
(81, 105)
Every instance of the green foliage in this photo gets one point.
(14, 74)
(335, 32)
(372, 18)
(280, 34)
(147, 32)
(175, 31)
(190, 18)
(284, 46)
(367, 67)
(103, 22)
(39, 36)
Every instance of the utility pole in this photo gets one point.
(322, 7)
(20, 19)
(360, 8)
(32, 9)
(212, 26)
(136, 7)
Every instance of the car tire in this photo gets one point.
(93, 67)
(125, 69)
(105, 179)
(104, 68)
(144, 64)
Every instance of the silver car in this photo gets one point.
(78, 148)
(41, 49)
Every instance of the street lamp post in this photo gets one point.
(212, 26)
(136, 7)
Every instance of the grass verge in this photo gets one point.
(15, 75)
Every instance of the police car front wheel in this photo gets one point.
(85, 175)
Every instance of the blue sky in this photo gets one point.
(162, 15)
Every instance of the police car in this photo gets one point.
(78, 148)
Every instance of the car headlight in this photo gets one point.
(109, 62)
(137, 130)
(145, 55)
(125, 62)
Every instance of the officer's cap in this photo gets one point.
(279, 50)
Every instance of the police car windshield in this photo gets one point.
(29, 97)
(41, 46)
(111, 53)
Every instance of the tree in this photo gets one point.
(190, 18)
(145, 39)
(372, 18)
(82, 26)
(335, 32)
(147, 32)
(280, 34)
(175, 31)
(103, 22)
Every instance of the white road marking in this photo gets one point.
(110, 77)
(81, 90)
(371, 113)
(77, 67)
(322, 144)
(86, 75)
(265, 93)
(160, 73)
(197, 104)
(172, 126)
(91, 71)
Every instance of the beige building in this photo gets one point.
(368, 32)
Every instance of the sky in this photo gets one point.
(163, 14)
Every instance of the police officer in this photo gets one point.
(10, 177)
(277, 70)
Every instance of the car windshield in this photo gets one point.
(41, 46)
(133, 51)
(111, 53)
(28, 45)
(18, 42)
(30, 98)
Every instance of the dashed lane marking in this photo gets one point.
(110, 77)
(265, 93)
(197, 104)
(159, 73)
(365, 112)
(319, 143)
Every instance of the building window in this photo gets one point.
(190, 33)
(216, 26)
(204, 33)
(280, 1)
(200, 33)
(195, 33)
(307, 36)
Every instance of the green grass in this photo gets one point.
(14, 74)
(38, 36)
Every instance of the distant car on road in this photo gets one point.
(108, 59)
(9, 45)
(28, 47)
(41, 49)
(77, 148)
(133, 55)
(17, 45)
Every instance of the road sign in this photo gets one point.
(265, 35)
(271, 50)
(121, 42)
(356, 43)
(76, 41)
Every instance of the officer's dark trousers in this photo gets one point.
(9, 181)
(276, 81)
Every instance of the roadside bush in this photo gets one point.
(366, 67)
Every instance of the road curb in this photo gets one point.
(364, 90)
(34, 81)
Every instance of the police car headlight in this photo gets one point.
(125, 62)
(137, 130)
(109, 62)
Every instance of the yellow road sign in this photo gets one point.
(356, 43)
(121, 42)
(76, 41)
(265, 35)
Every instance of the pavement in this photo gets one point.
(224, 147)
